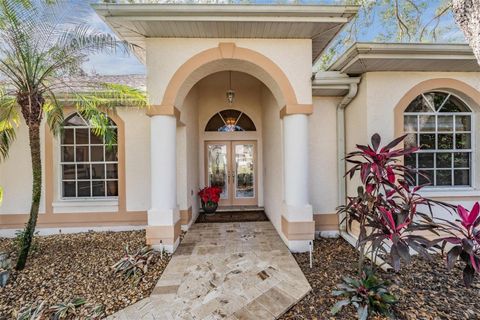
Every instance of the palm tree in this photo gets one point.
(41, 47)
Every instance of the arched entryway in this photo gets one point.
(180, 143)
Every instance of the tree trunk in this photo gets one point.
(34, 135)
(31, 106)
(467, 17)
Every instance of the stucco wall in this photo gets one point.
(16, 174)
(293, 56)
(373, 111)
(323, 155)
(273, 159)
(187, 154)
(137, 157)
(16, 177)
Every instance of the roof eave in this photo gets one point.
(217, 10)
(415, 51)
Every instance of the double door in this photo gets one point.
(231, 166)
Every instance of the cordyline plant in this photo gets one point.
(464, 240)
(386, 211)
(386, 208)
(42, 45)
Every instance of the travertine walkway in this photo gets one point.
(225, 271)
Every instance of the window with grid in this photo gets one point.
(89, 167)
(441, 125)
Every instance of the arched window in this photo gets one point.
(89, 167)
(441, 125)
(230, 120)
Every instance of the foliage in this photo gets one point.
(19, 241)
(42, 47)
(467, 17)
(388, 212)
(210, 195)
(5, 267)
(32, 311)
(393, 21)
(76, 308)
(465, 238)
(368, 295)
(95, 312)
(66, 309)
(134, 265)
(387, 207)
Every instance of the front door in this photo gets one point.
(231, 166)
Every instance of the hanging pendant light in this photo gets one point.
(230, 92)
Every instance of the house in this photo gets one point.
(233, 103)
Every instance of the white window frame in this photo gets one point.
(471, 150)
(74, 163)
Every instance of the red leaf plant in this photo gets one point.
(210, 195)
(464, 240)
(386, 208)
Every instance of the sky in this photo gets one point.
(124, 64)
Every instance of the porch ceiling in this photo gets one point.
(135, 22)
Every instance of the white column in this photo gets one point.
(295, 130)
(297, 209)
(163, 213)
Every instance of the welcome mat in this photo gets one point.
(224, 217)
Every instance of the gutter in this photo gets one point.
(341, 144)
(334, 83)
(341, 148)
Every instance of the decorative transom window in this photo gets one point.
(230, 120)
(89, 167)
(441, 125)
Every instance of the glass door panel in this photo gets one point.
(230, 165)
(217, 170)
(244, 171)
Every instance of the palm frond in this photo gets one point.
(9, 121)
(94, 106)
(86, 39)
(53, 110)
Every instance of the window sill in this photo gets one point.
(85, 206)
(449, 192)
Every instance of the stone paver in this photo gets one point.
(231, 271)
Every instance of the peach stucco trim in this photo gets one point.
(290, 109)
(166, 235)
(228, 50)
(298, 230)
(428, 85)
(326, 222)
(186, 216)
(163, 110)
(49, 219)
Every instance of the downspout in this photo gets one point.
(341, 151)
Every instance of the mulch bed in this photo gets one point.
(426, 290)
(78, 265)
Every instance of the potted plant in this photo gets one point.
(210, 196)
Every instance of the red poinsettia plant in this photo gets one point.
(210, 195)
